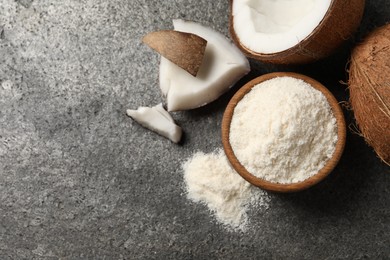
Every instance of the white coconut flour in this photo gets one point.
(211, 180)
(283, 130)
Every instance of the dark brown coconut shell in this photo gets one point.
(339, 24)
(186, 50)
(369, 85)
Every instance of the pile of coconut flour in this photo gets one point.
(283, 130)
(211, 180)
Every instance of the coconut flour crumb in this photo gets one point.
(283, 130)
(211, 180)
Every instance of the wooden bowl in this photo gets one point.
(277, 187)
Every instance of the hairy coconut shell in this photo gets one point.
(339, 24)
(369, 85)
(186, 50)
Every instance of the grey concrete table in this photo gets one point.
(81, 180)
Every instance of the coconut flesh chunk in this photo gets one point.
(271, 26)
(223, 65)
(158, 120)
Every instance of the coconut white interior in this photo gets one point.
(223, 64)
(270, 26)
(158, 120)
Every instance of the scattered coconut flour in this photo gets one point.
(283, 130)
(211, 180)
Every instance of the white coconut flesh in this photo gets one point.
(223, 65)
(271, 26)
(158, 120)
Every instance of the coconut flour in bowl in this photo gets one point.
(283, 130)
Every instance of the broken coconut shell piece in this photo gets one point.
(186, 50)
(223, 65)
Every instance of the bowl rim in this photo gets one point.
(278, 187)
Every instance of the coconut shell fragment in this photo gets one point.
(186, 50)
(369, 84)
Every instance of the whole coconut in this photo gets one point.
(369, 85)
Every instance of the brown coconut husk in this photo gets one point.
(339, 24)
(186, 50)
(369, 85)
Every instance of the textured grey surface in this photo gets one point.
(80, 180)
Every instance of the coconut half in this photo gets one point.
(293, 31)
(223, 65)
